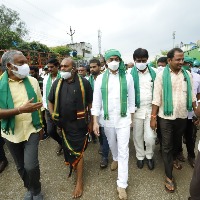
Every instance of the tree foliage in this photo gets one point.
(10, 20)
(62, 50)
(35, 46)
(12, 29)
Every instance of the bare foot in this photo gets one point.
(78, 191)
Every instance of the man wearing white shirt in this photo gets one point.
(143, 76)
(95, 70)
(114, 102)
(53, 68)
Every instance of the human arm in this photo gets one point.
(28, 107)
(157, 96)
(96, 105)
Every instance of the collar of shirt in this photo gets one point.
(117, 72)
(11, 80)
(174, 72)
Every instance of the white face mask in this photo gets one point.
(65, 75)
(102, 68)
(114, 65)
(160, 68)
(23, 71)
(141, 66)
(195, 69)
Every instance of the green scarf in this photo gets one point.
(91, 80)
(167, 91)
(49, 83)
(123, 85)
(6, 102)
(134, 73)
(123, 93)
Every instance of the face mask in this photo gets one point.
(102, 68)
(65, 75)
(114, 65)
(186, 67)
(141, 66)
(160, 68)
(23, 71)
(195, 69)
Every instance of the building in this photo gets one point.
(83, 49)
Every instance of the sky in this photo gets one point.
(125, 25)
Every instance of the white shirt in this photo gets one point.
(44, 90)
(146, 95)
(196, 87)
(115, 119)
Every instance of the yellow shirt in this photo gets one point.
(23, 122)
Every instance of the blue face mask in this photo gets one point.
(195, 69)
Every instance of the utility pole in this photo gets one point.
(173, 35)
(99, 42)
(71, 34)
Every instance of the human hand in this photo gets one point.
(30, 107)
(153, 124)
(96, 129)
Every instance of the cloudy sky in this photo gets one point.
(124, 24)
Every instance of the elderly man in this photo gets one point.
(21, 119)
(114, 102)
(143, 76)
(173, 97)
(70, 101)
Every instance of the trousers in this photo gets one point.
(25, 155)
(172, 132)
(142, 132)
(118, 140)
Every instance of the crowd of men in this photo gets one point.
(108, 100)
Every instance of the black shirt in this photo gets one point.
(68, 100)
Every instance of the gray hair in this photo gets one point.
(7, 57)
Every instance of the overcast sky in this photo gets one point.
(125, 24)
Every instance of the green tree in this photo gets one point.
(10, 20)
(61, 50)
(12, 29)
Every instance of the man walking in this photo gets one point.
(114, 102)
(143, 76)
(95, 68)
(173, 97)
(54, 74)
(70, 101)
(21, 119)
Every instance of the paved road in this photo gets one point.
(99, 184)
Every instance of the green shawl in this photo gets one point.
(91, 80)
(123, 85)
(123, 94)
(167, 91)
(6, 102)
(49, 83)
(134, 73)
